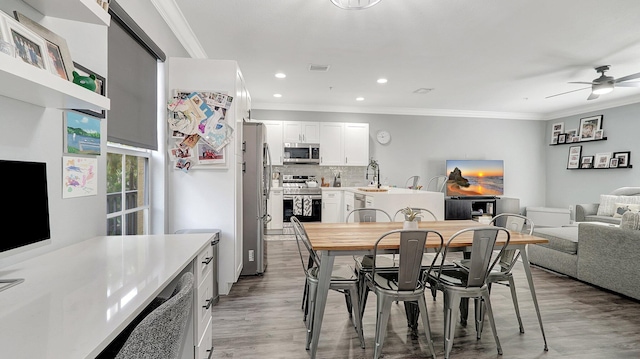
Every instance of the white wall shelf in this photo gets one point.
(27, 83)
(87, 11)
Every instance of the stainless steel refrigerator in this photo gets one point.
(256, 184)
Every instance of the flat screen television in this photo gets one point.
(475, 178)
(26, 203)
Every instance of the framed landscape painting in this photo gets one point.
(82, 134)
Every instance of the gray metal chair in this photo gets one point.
(343, 279)
(420, 211)
(159, 334)
(407, 284)
(368, 215)
(412, 182)
(439, 182)
(468, 282)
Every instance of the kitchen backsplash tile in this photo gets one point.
(350, 176)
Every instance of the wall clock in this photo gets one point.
(383, 137)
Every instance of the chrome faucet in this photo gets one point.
(373, 164)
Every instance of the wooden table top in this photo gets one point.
(363, 235)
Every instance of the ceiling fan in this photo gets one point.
(604, 84)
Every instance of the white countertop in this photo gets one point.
(75, 300)
(390, 190)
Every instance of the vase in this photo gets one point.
(410, 225)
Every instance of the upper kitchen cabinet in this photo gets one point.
(344, 144)
(300, 131)
(274, 140)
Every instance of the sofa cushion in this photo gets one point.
(605, 219)
(608, 202)
(563, 239)
(621, 208)
(630, 220)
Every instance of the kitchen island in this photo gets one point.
(339, 201)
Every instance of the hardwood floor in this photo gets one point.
(261, 318)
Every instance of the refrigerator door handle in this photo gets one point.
(266, 147)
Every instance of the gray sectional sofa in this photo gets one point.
(589, 212)
(599, 254)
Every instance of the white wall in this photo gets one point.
(569, 187)
(420, 145)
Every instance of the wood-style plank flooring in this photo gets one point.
(261, 318)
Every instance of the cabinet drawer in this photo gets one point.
(204, 263)
(205, 346)
(204, 304)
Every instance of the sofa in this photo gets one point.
(611, 206)
(601, 254)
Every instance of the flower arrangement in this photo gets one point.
(410, 215)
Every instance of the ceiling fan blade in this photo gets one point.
(593, 96)
(585, 83)
(627, 78)
(629, 84)
(563, 93)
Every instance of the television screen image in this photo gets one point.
(479, 178)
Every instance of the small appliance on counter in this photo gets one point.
(337, 182)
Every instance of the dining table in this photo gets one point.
(330, 240)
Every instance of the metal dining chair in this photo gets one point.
(439, 182)
(343, 280)
(406, 284)
(460, 282)
(421, 212)
(412, 182)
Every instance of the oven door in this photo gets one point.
(309, 208)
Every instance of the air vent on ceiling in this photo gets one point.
(422, 91)
(321, 68)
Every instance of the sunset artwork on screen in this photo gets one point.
(475, 178)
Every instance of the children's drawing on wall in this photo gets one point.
(199, 129)
(79, 176)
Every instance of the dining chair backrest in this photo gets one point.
(421, 212)
(302, 237)
(368, 215)
(437, 183)
(412, 247)
(480, 263)
(514, 223)
(412, 182)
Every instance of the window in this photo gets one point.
(127, 191)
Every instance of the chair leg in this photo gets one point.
(451, 313)
(311, 296)
(422, 304)
(356, 310)
(347, 299)
(364, 294)
(479, 314)
(514, 298)
(487, 303)
(382, 319)
(305, 299)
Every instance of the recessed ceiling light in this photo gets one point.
(359, 98)
(277, 95)
(280, 75)
(382, 81)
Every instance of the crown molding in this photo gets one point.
(176, 21)
(592, 107)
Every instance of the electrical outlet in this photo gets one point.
(252, 256)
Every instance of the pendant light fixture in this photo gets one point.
(355, 4)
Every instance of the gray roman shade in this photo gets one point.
(132, 82)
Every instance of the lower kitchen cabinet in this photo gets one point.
(274, 209)
(331, 206)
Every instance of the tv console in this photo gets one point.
(472, 207)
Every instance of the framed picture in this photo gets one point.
(101, 85)
(575, 139)
(574, 157)
(562, 138)
(29, 46)
(623, 158)
(571, 134)
(57, 52)
(598, 135)
(613, 162)
(602, 160)
(587, 162)
(82, 134)
(556, 129)
(589, 126)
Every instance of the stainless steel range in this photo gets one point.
(302, 197)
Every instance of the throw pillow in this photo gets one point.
(608, 202)
(621, 208)
(630, 220)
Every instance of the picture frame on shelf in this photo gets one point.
(623, 158)
(586, 162)
(599, 135)
(556, 129)
(613, 162)
(101, 85)
(571, 134)
(575, 139)
(589, 126)
(57, 53)
(574, 157)
(562, 138)
(29, 46)
(601, 160)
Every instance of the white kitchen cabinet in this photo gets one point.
(274, 209)
(301, 131)
(369, 202)
(331, 143)
(274, 140)
(348, 203)
(331, 206)
(356, 144)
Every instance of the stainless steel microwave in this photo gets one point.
(301, 153)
